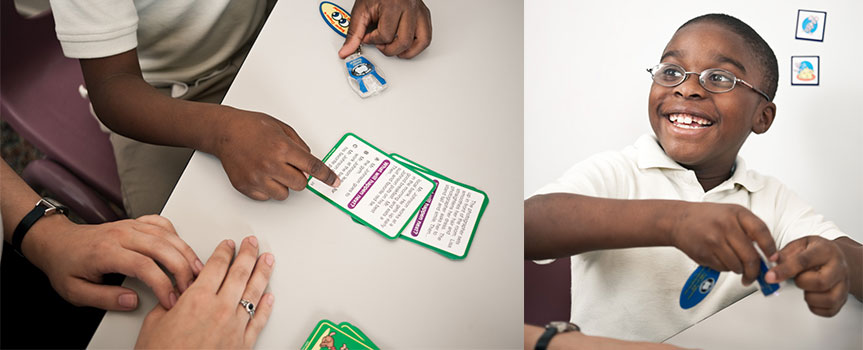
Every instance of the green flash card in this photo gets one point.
(376, 190)
(449, 216)
(358, 334)
(328, 336)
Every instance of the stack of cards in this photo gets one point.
(397, 197)
(345, 336)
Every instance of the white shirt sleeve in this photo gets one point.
(95, 28)
(798, 219)
(601, 175)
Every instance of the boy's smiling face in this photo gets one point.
(715, 124)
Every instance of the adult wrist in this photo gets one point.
(42, 236)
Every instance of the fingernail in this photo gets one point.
(253, 241)
(173, 298)
(231, 243)
(269, 259)
(337, 182)
(770, 277)
(128, 300)
(270, 299)
(198, 265)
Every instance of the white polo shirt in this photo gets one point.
(634, 293)
(177, 40)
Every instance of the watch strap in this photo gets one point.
(41, 209)
(545, 338)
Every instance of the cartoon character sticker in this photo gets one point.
(805, 70)
(810, 25)
(336, 17)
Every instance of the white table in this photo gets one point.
(779, 322)
(456, 108)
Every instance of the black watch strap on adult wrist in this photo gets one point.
(545, 338)
(43, 207)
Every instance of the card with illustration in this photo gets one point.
(357, 333)
(375, 189)
(449, 217)
(327, 336)
(805, 70)
(810, 25)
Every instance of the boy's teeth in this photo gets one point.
(685, 119)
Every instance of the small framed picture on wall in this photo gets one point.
(810, 25)
(805, 70)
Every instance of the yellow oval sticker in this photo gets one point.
(336, 17)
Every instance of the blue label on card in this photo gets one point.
(766, 288)
(700, 282)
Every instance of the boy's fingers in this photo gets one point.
(747, 256)
(216, 268)
(306, 162)
(276, 190)
(405, 37)
(291, 177)
(82, 292)
(799, 258)
(757, 231)
(360, 19)
(728, 258)
(820, 280)
(833, 298)
(422, 38)
(387, 27)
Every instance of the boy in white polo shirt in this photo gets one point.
(639, 221)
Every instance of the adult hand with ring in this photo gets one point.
(224, 308)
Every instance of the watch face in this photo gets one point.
(53, 206)
(562, 326)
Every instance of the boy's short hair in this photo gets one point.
(763, 53)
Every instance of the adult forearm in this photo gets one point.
(18, 200)
(558, 225)
(129, 106)
(853, 252)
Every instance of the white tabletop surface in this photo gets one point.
(456, 108)
(777, 322)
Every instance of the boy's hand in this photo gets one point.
(818, 267)
(264, 157)
(720, 236)
(396, 27)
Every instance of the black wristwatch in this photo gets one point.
(552, 328)
(44, 207)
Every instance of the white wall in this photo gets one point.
(586, 91)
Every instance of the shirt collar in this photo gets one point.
(651, 155)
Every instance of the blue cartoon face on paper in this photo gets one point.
(810, 24)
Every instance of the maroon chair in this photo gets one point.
(547, 292)
(39, 98)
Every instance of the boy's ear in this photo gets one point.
(763, 119)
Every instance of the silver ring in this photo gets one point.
(250, 308)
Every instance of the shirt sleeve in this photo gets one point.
(95, 28)
(601, 175)
(798, 219)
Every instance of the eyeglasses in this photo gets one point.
(714, 80)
